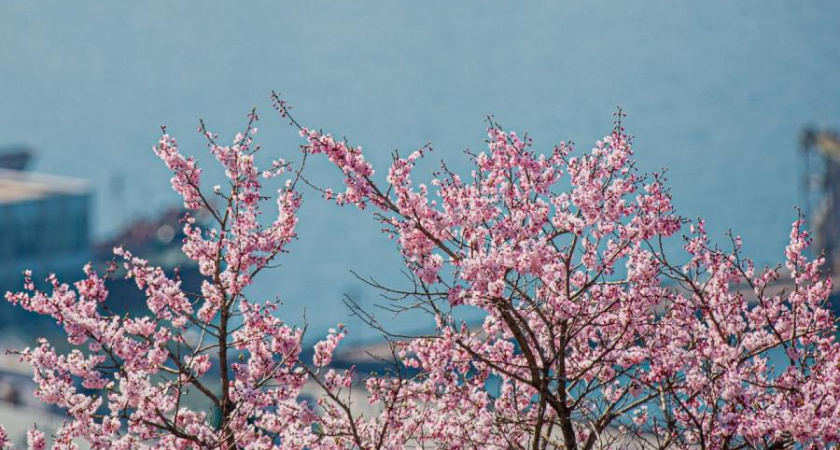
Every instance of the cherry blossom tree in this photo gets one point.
(128, 381)
(593, 336)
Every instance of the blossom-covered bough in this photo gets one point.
(592, 336)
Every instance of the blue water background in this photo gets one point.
(715, 91)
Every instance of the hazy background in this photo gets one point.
(715, 91)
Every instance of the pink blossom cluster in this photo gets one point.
(357, 171)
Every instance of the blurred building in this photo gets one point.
(43, 227)
(43, 224)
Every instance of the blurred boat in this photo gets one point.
(15, 157)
